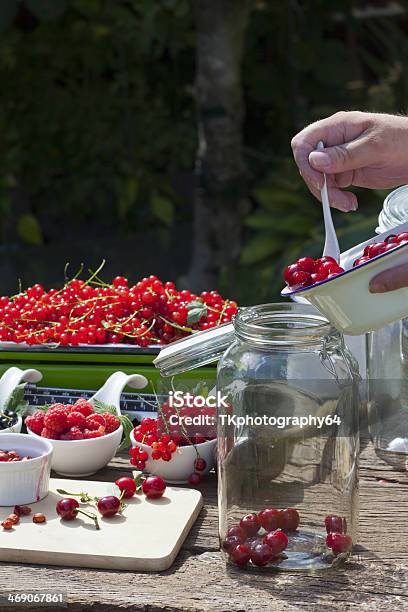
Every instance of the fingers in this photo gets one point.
(390, 280)
(344, 135)
(345, 201)
(344, 157)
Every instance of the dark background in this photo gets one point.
(99, 116)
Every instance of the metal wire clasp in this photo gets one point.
(328, 364)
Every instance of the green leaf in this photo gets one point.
(16, 401)
(47, 10)
(101, 407)
(196, 311)
(29, 230)
(163, 209)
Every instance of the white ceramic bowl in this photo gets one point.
(16, 428)
(78, 458)
(181, 465)
(346, 300)
(25, 482)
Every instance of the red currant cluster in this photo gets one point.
(307, 271)
(378, 248)
(12, 455)
(72, 422)
(261, 538)
(164, 445)
(95, 312)
(174, 420)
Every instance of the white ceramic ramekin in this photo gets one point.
(25, 482)
(346, 300)
(79, 458)
(181, 465)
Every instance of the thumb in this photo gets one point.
(340, 158)
(390, 280)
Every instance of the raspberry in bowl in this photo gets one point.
(25, 465)
(85, 435)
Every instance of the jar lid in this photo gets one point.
(199, 349)
(395, 210)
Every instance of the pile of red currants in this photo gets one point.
(94, 312)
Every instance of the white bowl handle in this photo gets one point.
(13, 377)
(112, 390)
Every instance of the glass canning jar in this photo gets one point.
(387, 363)
(287, 435)
(288, 441)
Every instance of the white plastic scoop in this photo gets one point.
(331, 244)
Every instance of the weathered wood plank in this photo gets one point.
(377, 579)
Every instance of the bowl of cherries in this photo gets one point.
(340, 290)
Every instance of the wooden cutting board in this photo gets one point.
(146, 537)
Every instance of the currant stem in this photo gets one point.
(85, 497)
(91, 516)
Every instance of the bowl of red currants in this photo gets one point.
(340, 290)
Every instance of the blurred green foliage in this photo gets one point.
(97, 117)
(96, 111)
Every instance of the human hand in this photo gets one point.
(363, 149)
(390, 280)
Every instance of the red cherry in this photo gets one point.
(361, 260)
(250, 524)
(277, 541)
(391, 238)
(300, 279)
(318, 276)
(289, 519)
(127, 485)
(194, 478)
(109, 505)
(402, 236)
(325, 259)
(67, 508)
(240, 555)
(269, 519)
(200, 464)
(375, 249)
(230, 543)
(289, 270)
(335, 523)
(153, 487)
(237, 532)
(261, 554)
(306, 264)
(329, 540)
(340, 543)
(328, 267)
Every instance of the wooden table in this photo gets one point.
(377, 578)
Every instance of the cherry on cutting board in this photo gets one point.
(153, 487)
